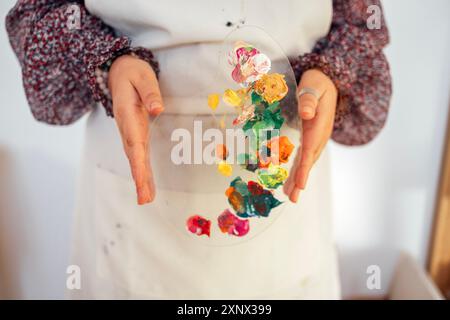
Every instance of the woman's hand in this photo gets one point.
(135, 95)
(317, 116)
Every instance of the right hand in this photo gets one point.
(135, 95)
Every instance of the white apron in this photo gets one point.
(130, 251)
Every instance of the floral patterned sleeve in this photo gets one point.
(64, 53)
(351, 55)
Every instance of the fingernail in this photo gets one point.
(143, 196)
(155, 105)
(287, 188)
(300, 186)
(307, 111)
(294, 195)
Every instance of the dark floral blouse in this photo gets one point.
(62, 67)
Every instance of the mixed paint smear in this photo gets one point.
(250, 199)
(257, 103)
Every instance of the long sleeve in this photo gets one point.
(351, 55)
(63, 51)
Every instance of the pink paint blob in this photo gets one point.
(231, 224)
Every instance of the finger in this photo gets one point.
(150, 177)
(293, 190)
(134, 136)
(303, 169)
(307, 106)
(132, 121)
(288, 187)
(308, 101)
(290, 182)
(147, 87)
(294, 195)
(139, 169)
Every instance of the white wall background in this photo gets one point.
(37, 177)
(383, 192)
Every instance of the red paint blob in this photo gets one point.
(198, 225)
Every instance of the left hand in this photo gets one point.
(317, 116)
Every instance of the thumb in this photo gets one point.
(307, 103)
(148, 89)
(309, 92)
